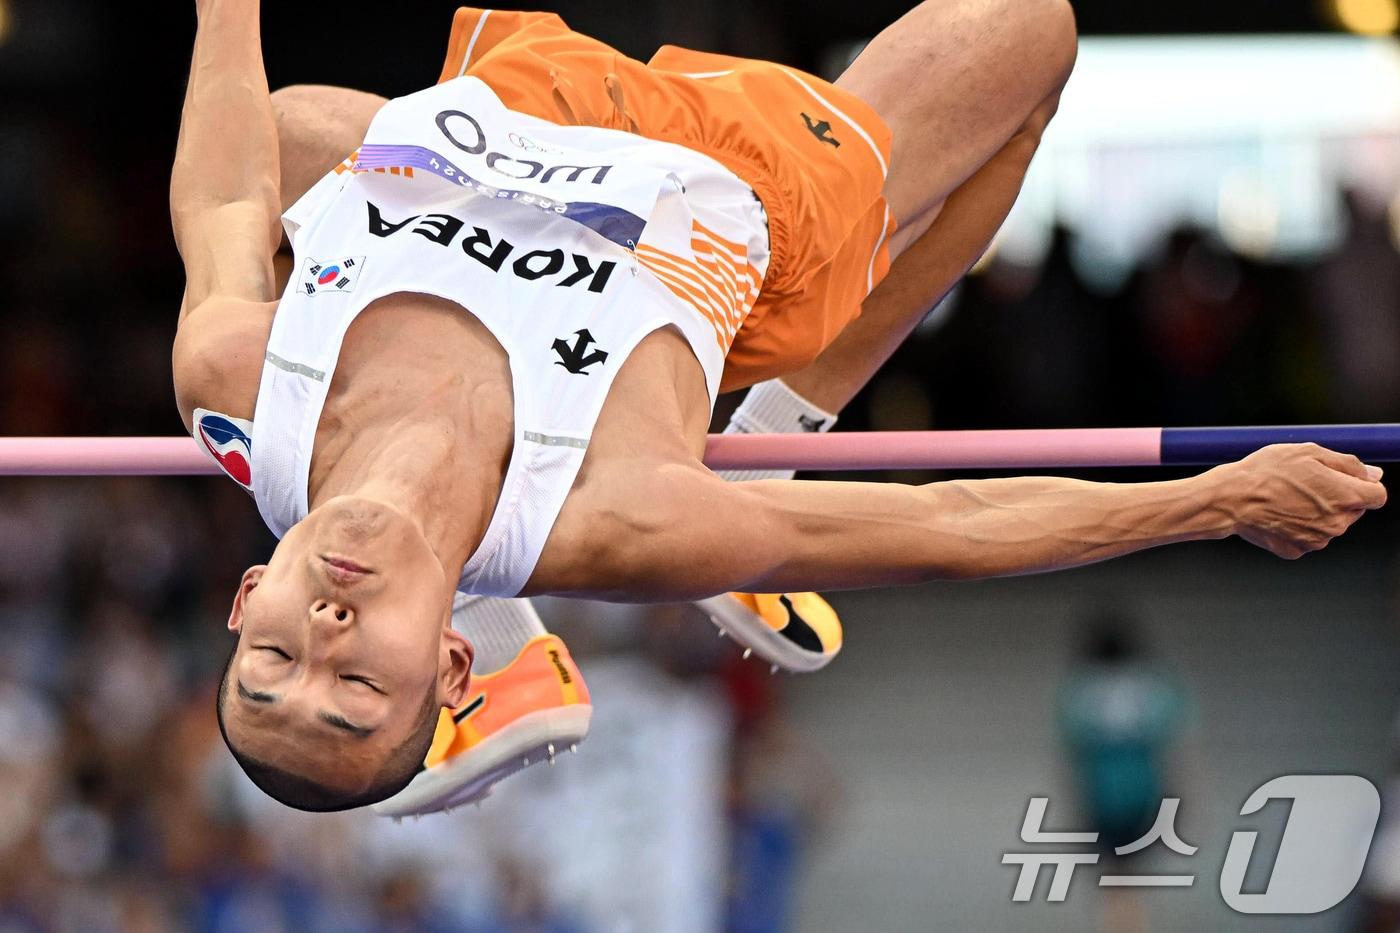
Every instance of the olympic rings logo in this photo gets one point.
(528, 144)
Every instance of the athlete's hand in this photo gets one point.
(1295, 498)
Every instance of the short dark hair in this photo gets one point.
(301, 793)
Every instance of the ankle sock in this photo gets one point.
(497, 628)
(772, 408)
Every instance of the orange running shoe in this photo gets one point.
(793, 631)
(512, 718)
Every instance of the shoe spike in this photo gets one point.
(527, 762)
(549, 750)
(773, 669)
(573, 746)
(748, 653)
(398, 821)
(722, 633)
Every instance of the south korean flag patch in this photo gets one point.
(340, 275)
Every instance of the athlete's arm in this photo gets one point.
(224, 185)
(691, 535)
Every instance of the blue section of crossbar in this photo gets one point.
(1195, 446)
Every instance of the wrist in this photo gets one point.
(1220, 501)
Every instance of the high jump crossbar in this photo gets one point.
(876, 450)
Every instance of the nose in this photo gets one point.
(331, 614)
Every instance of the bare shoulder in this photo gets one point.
(641, 498)
(218, 354)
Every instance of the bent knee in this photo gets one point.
(1045, 36)
(1058, 45)
(1025, 49)
(1059, 42)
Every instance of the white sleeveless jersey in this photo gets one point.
(570, 244)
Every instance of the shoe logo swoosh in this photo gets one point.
(798, 631)
(470, 708)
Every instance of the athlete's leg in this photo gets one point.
(810, 399)
(923, 273)
(955, 80)
(952, 239)
(986, 76)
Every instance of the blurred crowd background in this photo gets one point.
(878, 795)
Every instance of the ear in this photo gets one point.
(251, 577)
(455, 656)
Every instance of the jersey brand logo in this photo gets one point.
(492, 251)
(821, 129)
(317, 278)
(463, 131)
(573, 358)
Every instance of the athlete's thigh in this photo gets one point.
(317, 126)
(955, 80)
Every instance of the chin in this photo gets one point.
(350, 519)
(373, 534)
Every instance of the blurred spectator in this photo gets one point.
(1357, 299)
(1119, 711)
(1200, 316)
(783, 794)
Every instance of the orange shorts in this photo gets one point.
(815, 155)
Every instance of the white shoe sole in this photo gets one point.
(748, 629)
(469, 777)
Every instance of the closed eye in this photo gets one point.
(354, 678)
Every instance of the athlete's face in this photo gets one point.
(341, 635)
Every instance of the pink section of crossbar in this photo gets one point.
(102, 456)
(936, 450)
(890, 450)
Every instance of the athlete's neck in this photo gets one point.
(424, 481)
(419, 417)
